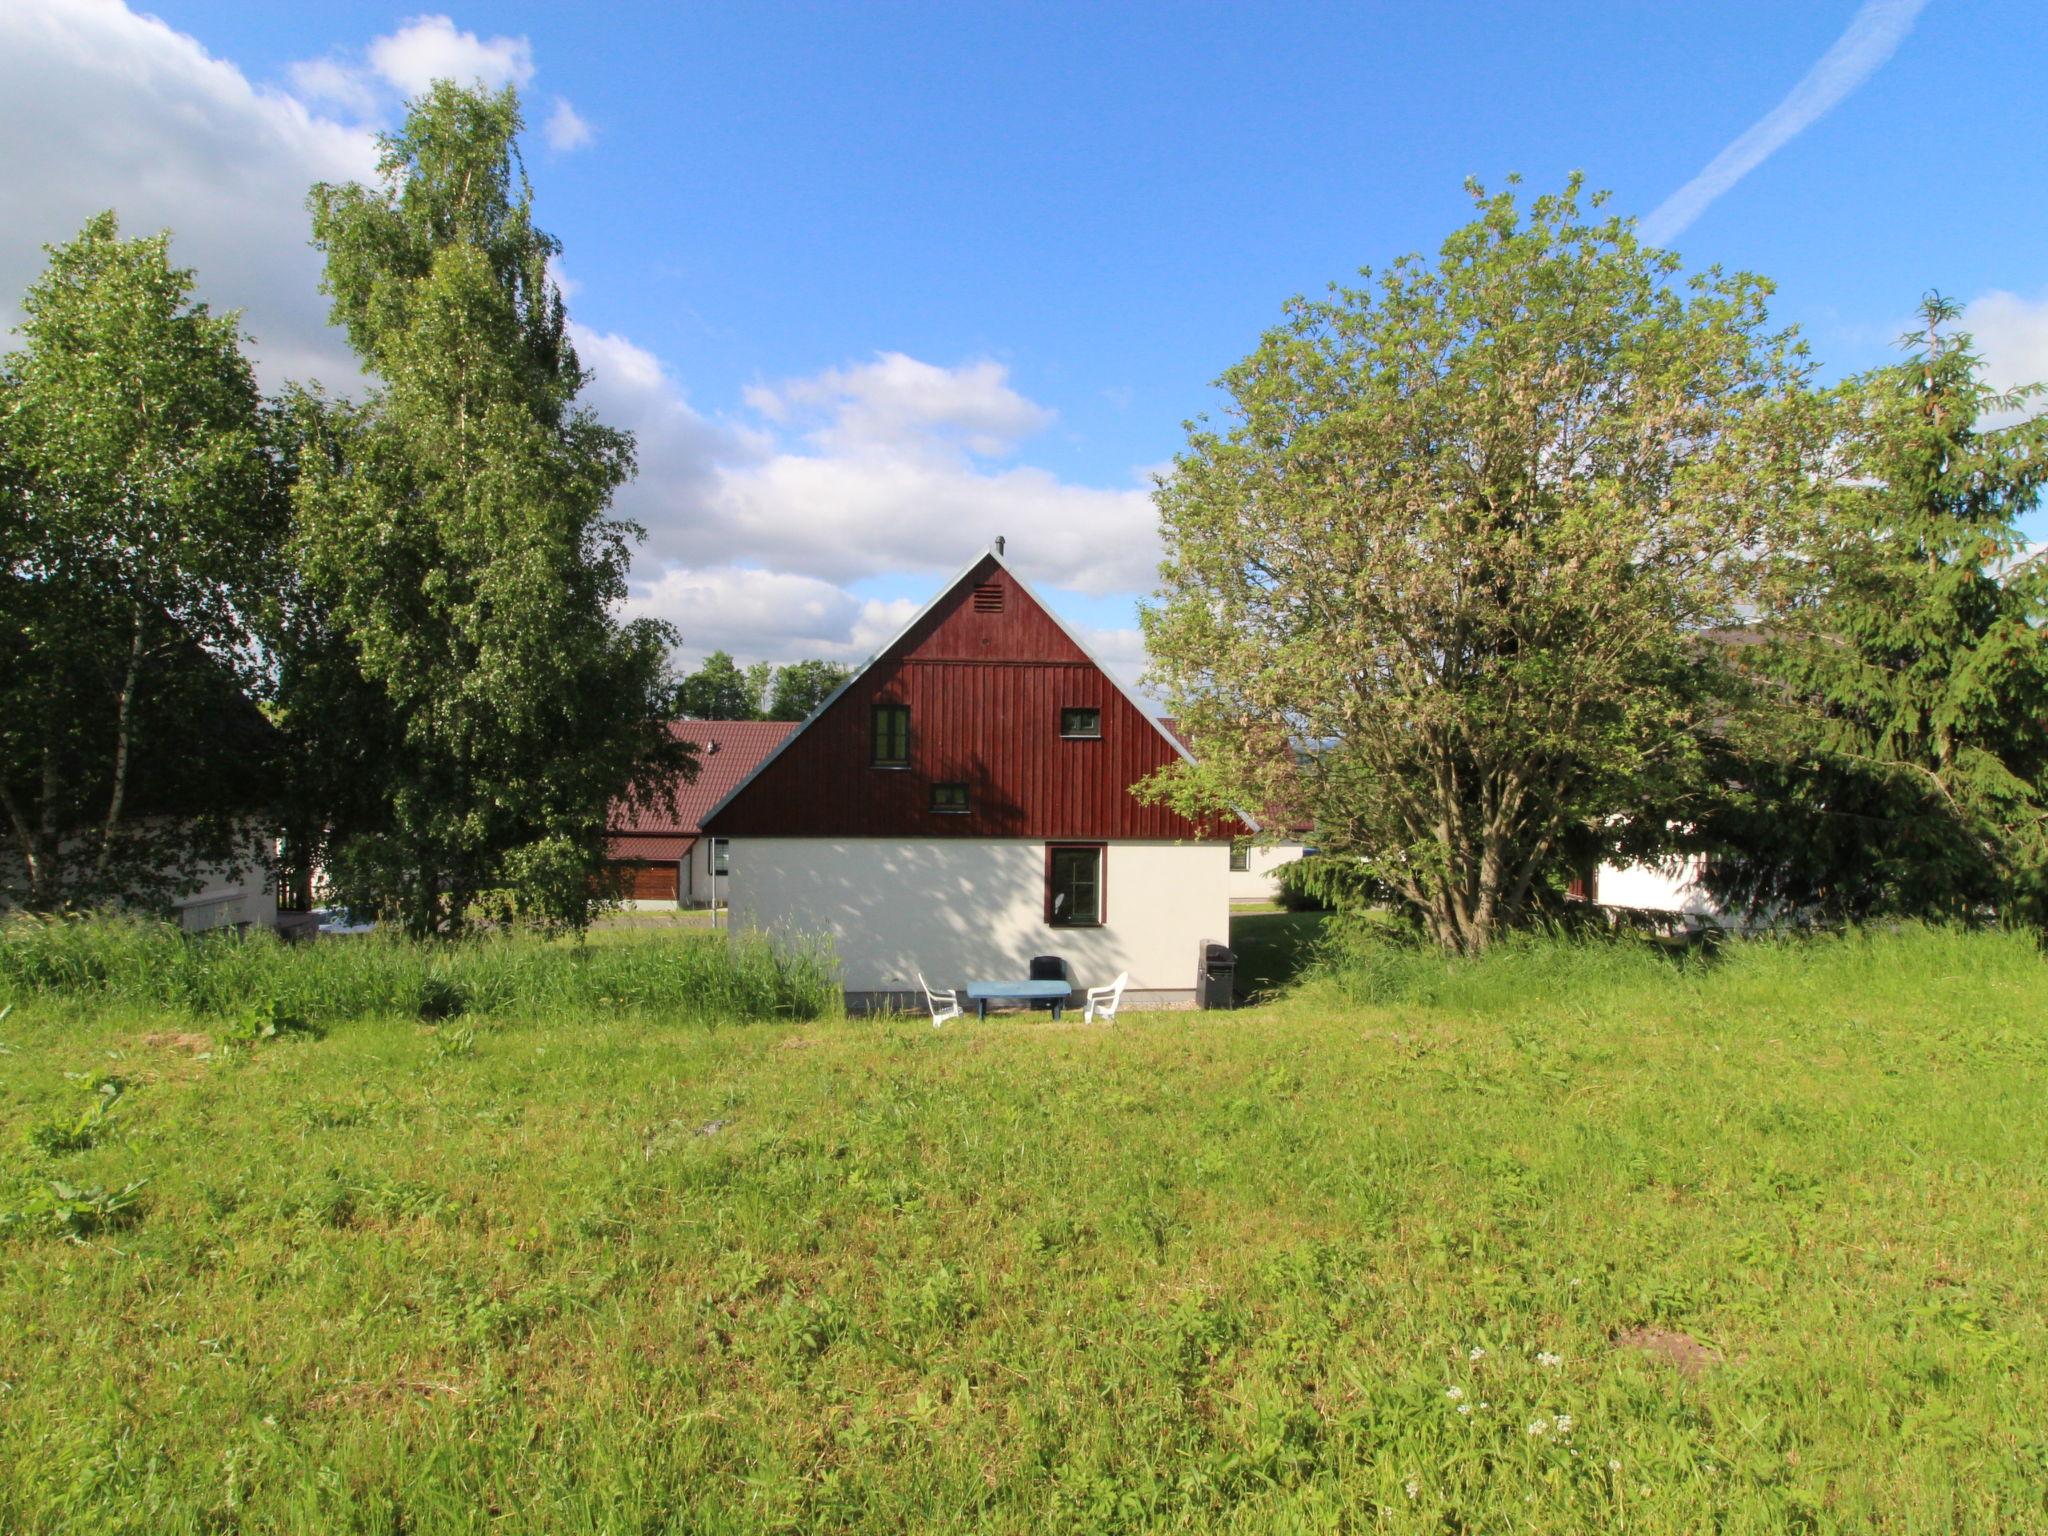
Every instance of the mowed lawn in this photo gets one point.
(1572, 1240)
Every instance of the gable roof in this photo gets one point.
(728, 751)
(944, 601)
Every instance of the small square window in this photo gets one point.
(1073, 885)
(1240, 856)
(949, 799)
(1081, 722)
(892, 735)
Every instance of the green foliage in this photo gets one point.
(53, 1208)
(297, 987)
(802, 686)
(1321, 882)
(140, 520)
(1452, 548)
(721, 690)
(466, 704)
(1564, 1238)
(80, 1132)
(1909, 774)
(261, 1022)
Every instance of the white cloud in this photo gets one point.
(565, 129)
(896, 401)
(102, 108)
(2011, 335)
(758, 522)
(770, 615)
(430, 48)
(1872, 36)
(335, 81)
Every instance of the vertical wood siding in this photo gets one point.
(985, 691)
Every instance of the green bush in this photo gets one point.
(225, 975)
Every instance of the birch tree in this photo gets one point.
(469, 699)
(140, 539)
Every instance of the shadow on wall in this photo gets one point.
(968, 910)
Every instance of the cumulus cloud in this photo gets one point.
(2011, 335)
(430, 48)
(897, 401)
(1873, 35)
(889, 466)
(565, 129)
(770, 615)
(102, 108)
(759, 519)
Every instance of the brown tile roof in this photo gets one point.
(727, 751)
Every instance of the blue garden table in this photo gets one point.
(1054, 992)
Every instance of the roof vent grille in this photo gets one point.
(988, 597)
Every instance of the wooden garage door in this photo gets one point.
(639, 881)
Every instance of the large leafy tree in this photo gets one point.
(1460, 545)
(1899, 761)
(140, 540)
(802, 686)
(460, 674)
(721, 689)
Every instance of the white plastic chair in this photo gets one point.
(943, 1004)
(1104, 1000)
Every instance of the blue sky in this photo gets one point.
(876, 281)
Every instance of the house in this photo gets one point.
(1255, 864)
(663, 860)
(963, 805)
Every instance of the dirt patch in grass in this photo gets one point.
(178, 1040)
(1688, 1354)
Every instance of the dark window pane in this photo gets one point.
(892, 734)
(1240, 857)
(950, 798)
(718, 856)
(1080, 722)
(1076, 895)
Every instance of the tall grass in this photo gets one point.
(1363, 965)
(153, 965)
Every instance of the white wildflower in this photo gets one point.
(1538, 1427)
(1562, 1423)
(1545, 1357)
(1613, 1464)
(1414, 1487)
(1466, 1409)
(1476, 1353)
(1455, 1394)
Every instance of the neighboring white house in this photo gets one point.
(226, 896)
(963, 807)
(1255, 869)
(1673, 889)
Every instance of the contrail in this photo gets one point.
(1872, 37)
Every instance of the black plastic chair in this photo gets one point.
(1049, 968)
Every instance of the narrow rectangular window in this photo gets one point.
(1073, 885)
(1240, 856)
(949, 799)
(719, 850)
(1081, 722)
(892, 735)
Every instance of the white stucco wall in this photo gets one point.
(1260, 879)
(962, 910)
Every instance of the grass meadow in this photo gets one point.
(1573, 1238)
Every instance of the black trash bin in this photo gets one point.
(1216, 977)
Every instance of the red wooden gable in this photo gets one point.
(985, 672)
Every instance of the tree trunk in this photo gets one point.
(122, 713)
